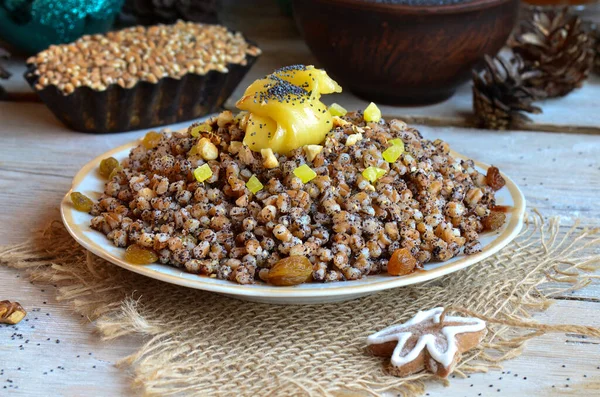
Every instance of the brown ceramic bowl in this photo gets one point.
(403, 54)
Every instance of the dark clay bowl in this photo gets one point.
(402, 54)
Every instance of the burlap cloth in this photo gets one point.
(199, 343)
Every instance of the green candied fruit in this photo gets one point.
(107, 166)
(337, 110)
(81, 202)
(392, 153)
(196, 130)
(305, 173)
(372, 113)
(254, 184)
(373, 173)
(397, 142)
(202, 173)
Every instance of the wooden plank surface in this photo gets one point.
(559, 174)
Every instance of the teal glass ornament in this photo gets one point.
(33, 25)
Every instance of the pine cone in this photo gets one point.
(150, 12)
(499, 93)
(554, 43)
(595, 34)
(4, 74)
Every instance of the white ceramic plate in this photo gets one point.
(89, 182)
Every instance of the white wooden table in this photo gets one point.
(559, 174)
(54, 352)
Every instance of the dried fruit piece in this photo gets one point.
(139, 255)
(202, 173)
(292, 270)
(254, 184)
(392, 153)
(305, 173)
(493, 221)
(494, 179)
(196, 129)
(337, 110)
(402, 262)
(107, 166)
(373, 173)
(151, 140)
(372, 113)
(81, 202)
(11, 312)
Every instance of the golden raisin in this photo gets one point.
(292, 270)
(139, 255)
(107, 166)
(151, 140)
(494, 179)
(493, 221)
(81, 202)
(402, 262)
(114, 172)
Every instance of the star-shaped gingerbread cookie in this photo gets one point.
(424, 342)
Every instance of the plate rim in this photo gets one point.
(345, 288)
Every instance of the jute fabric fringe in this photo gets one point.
(199, 343)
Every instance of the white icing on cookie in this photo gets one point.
(400, 334)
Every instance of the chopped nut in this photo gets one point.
(312, 151)
(11, 312)
(340, 122)
(207, 149)
(235, 147)
(357, 129)
(269, 159)
(353, 138)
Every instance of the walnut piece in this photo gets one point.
(11, 312)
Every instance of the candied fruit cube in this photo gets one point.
(337, 110)
(254, 184)
(151, 140)
(305, 173)
(139, 255)
(202, 173)
(372, 113)
(392, 153)
(196, 130)
(107, 166)
(373, 173)
(397, 142)
(81, 202)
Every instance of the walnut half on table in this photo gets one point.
(11, 312)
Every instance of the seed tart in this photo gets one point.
(231, 198)
(141, 77)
